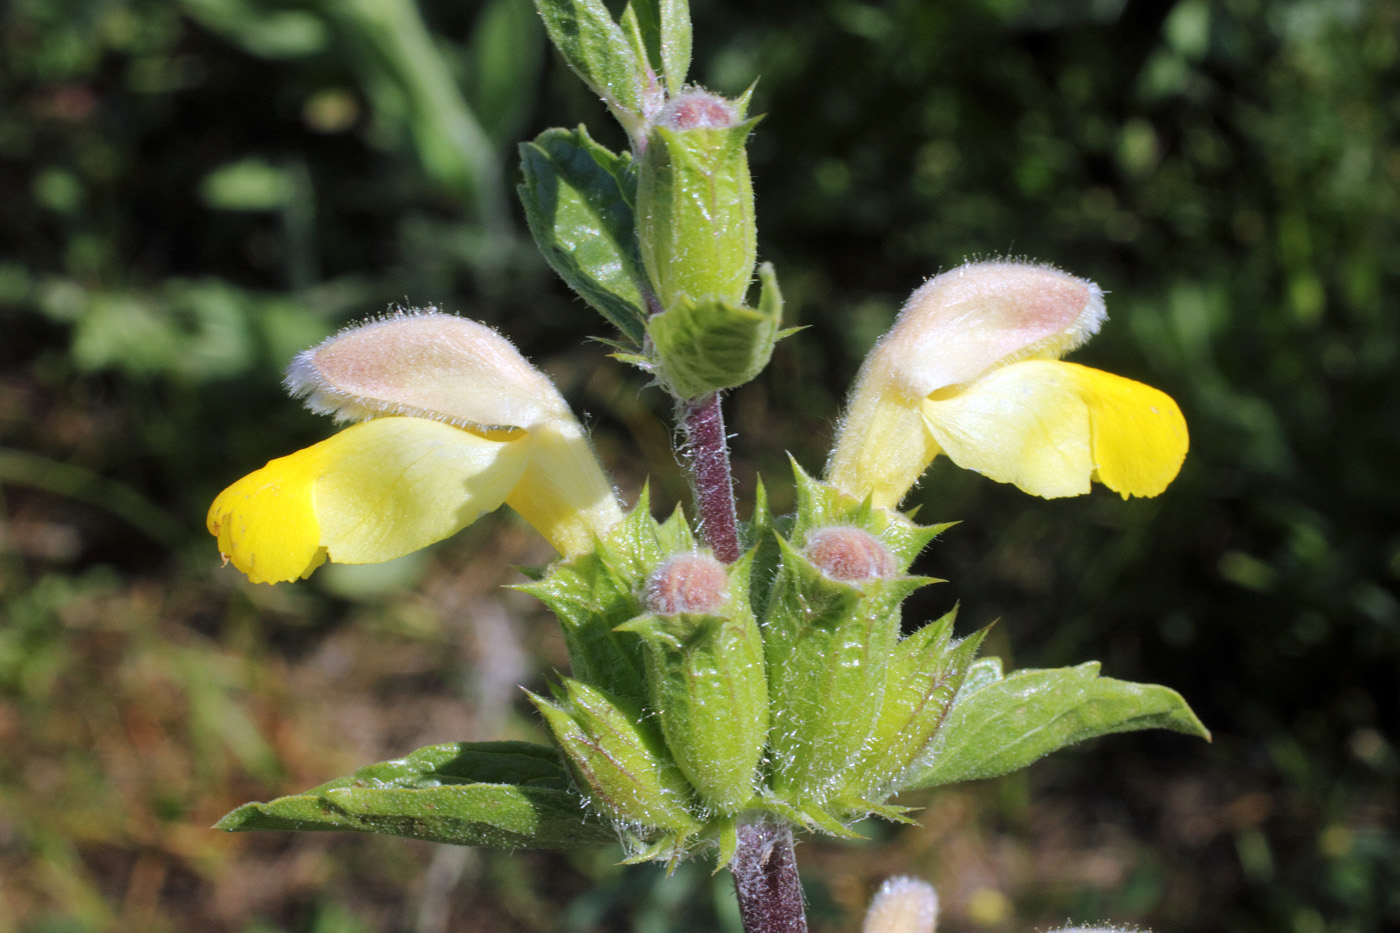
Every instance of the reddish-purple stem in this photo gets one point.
(765, 879)
(709, 469)
(764, 864)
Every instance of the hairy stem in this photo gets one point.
(765, 879)
(708, 446)
(764, 864)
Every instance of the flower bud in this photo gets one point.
(698, 110)
(848, 554)
(692, 582)
(705, 674)
(902, 905)
(695, 215)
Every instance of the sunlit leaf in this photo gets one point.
(999, 725)
(498, 794)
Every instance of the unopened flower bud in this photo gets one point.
(705, 674)
(695, 215)
(698, 110)
(848, 554)
(902, 905)
(691, 582)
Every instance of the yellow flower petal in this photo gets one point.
(564, 494)
(1140, 438)
(882, 448)
(371, 493)
(1050, 427)
(394, 485)
(265, 522)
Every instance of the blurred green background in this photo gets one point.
(192, 191)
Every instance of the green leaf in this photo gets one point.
(598, 51)
(577, 202)
(1002, 724)
(664, 26)
(500, 794)
(708, 345)
(619, 759)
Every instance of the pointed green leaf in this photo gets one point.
(500, 794)
(1002, 725)
(708, 345)
(599, 52)
(578, 206)
(618, 759)
(665, 29)
(637, 42)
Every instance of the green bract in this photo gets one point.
(794, 695)
(707, 345)
(695, 219)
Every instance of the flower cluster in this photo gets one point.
(708, 695)
(454, 422)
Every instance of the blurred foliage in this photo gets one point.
(196, 190)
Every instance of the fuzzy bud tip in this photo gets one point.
(698, 110)
(849, 554)
(691, 582)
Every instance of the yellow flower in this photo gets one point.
(971, 369)
(456, 423)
